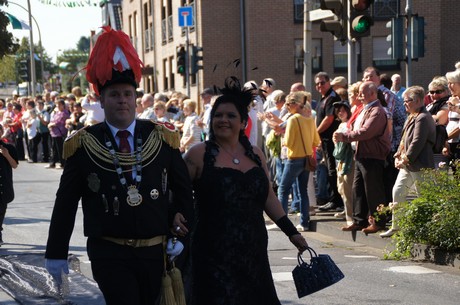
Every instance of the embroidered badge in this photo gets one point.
(93, 182)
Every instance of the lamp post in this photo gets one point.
(32, 59)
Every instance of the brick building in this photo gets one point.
(257, 39)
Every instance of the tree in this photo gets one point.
(8, 70)
(83, 44)
(9, 44)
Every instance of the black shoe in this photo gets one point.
(328, 206)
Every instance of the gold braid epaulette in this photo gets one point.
(168, 133)
(72, 143)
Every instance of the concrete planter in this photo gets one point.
(436, 255)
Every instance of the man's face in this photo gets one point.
(365, 94)
(119, 103)
(371, 76)
(322, 85)
(206, 98)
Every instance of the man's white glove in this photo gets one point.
(55, 267)
(174, 248)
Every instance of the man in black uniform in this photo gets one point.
(123, 170)
(327, 123)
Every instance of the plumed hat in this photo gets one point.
(113, 60)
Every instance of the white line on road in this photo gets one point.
(361, 256)
(412, 270)
(282, 276)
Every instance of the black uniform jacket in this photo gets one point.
(6, 174)
(96, 183)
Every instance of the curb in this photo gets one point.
(325, 223)
(436, 256)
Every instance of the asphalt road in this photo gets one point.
(368, 278)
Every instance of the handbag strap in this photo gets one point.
(301, 136)
(312, 252)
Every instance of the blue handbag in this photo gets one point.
(320, 273)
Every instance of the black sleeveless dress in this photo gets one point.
(229, 248)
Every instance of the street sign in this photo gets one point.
(320, 14)
(186, 16)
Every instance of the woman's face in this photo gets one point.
(226, 121)
(159, 112)
(342, 114)
(437, 93)
(412, 105)
(454, 88)
(187, 110)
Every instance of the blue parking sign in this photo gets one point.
(186, 16)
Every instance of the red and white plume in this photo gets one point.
(113, 51)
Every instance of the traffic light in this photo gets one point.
(338, 26)
(24, 70)
(396, 38)
(418, 36)
(360, 19)
(180, 59)
(194, 66)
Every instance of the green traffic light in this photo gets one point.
(362, 26)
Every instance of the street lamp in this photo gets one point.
(32, 59)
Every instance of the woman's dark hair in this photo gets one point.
(241, 98)
(234, 93)
(17, 107)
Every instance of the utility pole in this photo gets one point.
(307, 78)
(409, 44)
(32, 58)
(351, 47)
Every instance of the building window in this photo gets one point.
(381, 59)
(165, 74)
(385, 9)
(299, 52)
(341, 56)
(315, 55)
(298, 11)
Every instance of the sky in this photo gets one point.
(60, 27)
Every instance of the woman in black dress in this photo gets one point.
(229, 245)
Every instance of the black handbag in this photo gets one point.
(320, 273)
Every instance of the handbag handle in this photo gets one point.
(300, 260)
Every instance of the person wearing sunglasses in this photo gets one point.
(326, 123)
(439, 92)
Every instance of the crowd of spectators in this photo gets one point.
(360, 129)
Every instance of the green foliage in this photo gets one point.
(433, 218)
(8, 70)
(8, 44)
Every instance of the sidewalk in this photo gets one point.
(326, 224)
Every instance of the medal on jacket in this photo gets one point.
(134, 198)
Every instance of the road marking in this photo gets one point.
(282, 276)
(412, 270)
(361, 256)
(272, 227)
(289, 258)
